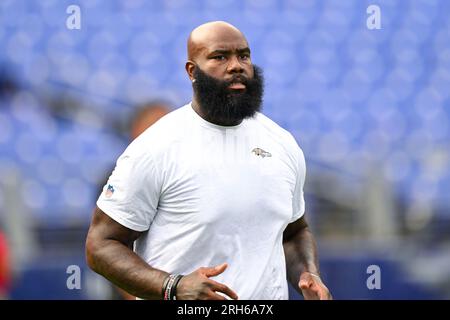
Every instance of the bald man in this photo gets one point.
(212, 194)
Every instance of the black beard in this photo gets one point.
(221, 105)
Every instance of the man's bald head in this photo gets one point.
(222, 74)
(212, 33)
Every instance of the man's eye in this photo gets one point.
(245, 56)
(220, 58)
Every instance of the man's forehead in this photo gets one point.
(224, 43)
(215, 36)
(227, 48)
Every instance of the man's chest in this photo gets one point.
(237, 182)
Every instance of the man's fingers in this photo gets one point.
(216, 286)
(325, 295)
(310, 294)
(315, 292)
(304, 284)
(211, 272)
(215, 296)
(312, 287)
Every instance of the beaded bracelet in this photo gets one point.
(170, 286)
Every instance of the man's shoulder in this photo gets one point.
(282, 137)
(167, 126)
(172, 119)
(267, 122)
(161, 134)
(274, 129)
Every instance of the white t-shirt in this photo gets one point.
(206, 194)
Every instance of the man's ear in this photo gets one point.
(190, 67)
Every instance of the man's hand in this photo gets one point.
(313, 288)
(198, 286)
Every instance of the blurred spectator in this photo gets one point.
(8, 86)
(5, 269)
(145, 116)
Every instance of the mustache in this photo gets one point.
(237, 79)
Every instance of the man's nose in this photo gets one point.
(234, 65)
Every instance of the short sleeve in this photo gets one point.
(298, 200)
(132, 192)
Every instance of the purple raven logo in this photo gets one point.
(260, 152)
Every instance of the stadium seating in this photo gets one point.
(350, 96)
(341, 89)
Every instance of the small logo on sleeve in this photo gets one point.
(261, 153)
(109, 191)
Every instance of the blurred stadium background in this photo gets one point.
(370, 108)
